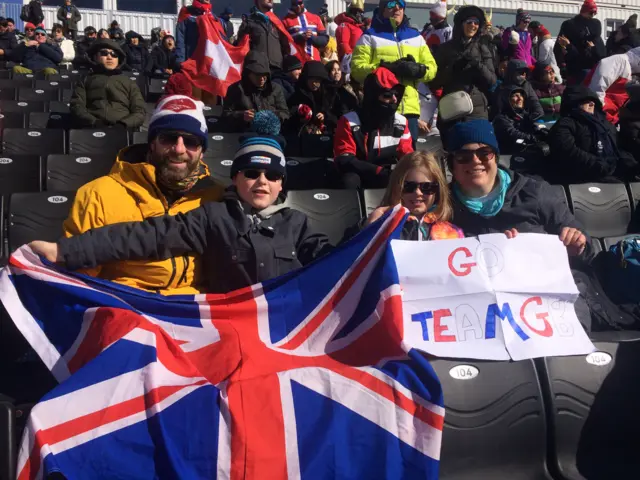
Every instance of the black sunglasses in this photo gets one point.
(269, 174)
(466, 156)
(108, 53)
(41, 34)
(191, 142)
(427, 188)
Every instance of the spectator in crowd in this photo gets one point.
(69, 16)
(106, 97)
(369, 141)
(65, 44)
(464, 64)
(306, 29)
(225, 19)
(29, 32)
(8, 41)
(166, 175)
(251, 222)
(624, 38)
(116, 33)
(329, 52)
(82, 59)
(315, 107)
(157, 34)
(579, 46)
(488, 198)
(254, 92)
(545, 47)
(35, 13)
(163, 60)
(267, 34)
(584, 145)
(548, 90)
(516, 76)
(346, 96)
(288, 76)
(103, 34)
(392, 43)
(630, 121)
(438, 31)
(331, 26)
(11, 25)
(418, 184)
(350, 28)
(135, 51)
(517, 40)
(38, 55)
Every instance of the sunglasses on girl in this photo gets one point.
(427, 188)
(472, 21)
(485, 154)
(270, 175)
(108, 53)
(191, 142)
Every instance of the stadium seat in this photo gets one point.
(602, 208)
(66, 94)
(5, 73)
(31, 76)
(430, 144)
(372, 199)
(220, 170)
(12, 120)
(33, 141)
(49, 120)
(70, 172)
(156, 88)
(306, 173)
(329, 211)
(594, 403)
(21, 107)
(37, 95)
(596, 244)
(17, 82)
(212, 111)
(223, 146)
(292, 147)
(139, 137)
(316, 146)
(505, 161)
(494, 426)
(59, 107)
(37, 216)
(141, 81)
(54, 82)
(98, 141)
(73, 75)
(19, 173)
(7, 93)
(8, 451)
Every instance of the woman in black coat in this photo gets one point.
(136, 51)
(163, 61)
(465, 63)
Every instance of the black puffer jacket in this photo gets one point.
(238, 247)
(630, 124)
(160, 59)
(286, 82)
(511, 125)
(578, 55)
(8, 42)
(511, 80)
(466, 65)
(266, 39)
(82, 59)
(243, 95)
(137, 55)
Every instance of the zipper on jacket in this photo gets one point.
(174, 268)
(183, 277)
(395, 37)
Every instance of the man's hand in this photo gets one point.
(563, 41)
(574, 240)
(376, 214)
(168, 71)
(590, 44)
(248, 115)
(32, 43)
(47, 250)
(511, 233)
(320, 117)
(308, 34)
(1, 51)
(423, 126)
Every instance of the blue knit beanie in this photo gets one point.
(260, 152)
(472, 131)
(179, 113)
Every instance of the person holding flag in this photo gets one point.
(306, 29)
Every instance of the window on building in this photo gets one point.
(78, 3)
(148, 6)
(613, 25)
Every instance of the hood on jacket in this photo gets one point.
(373, 111)
(513, 68)
(110, 44)
(468, 11)
(575, 95)
(507, 108)
(130, 35)
(313, 69)
(255, 62)
(346, 17)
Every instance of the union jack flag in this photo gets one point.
(305, 376)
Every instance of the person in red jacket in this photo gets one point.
(350, 28)
(306, 29)
(369, 141)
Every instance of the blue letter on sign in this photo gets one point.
(422, 317)
(492, 312)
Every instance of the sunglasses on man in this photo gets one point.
(393, 3)
(41, 34)
(29, 30)
(191, 142)
(427, 188)
(484, 154)
(270, 175)
(108, 53)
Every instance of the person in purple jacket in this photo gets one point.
(517, 40)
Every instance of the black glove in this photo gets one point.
(543, 148)
(410, 69)
(392, 66)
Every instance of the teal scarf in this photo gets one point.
(490, 205)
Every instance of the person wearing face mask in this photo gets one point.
(163, 61)
(371, 139)
(584, 145)
(516, 76)
(350, 28)
(306, 29)
(249, 237)
(253, 92)
(517, 39)
(136, 52)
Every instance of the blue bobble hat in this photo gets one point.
(473, 131)
(260, 152)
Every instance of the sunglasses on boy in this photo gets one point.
(108, 53)
(270, 175)
(484, 154)
(427, 188)
(394, 3)
(191, 142)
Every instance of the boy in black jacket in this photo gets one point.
(246, 239)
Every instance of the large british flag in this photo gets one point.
(305, 376)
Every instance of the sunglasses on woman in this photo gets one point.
(191, 142)
(427, 188)
(108, 53)
(253, 174)
(472, 21)
(485, 154)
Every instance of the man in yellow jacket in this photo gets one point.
(390, 42)
(167, 176)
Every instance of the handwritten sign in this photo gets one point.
(490, 297)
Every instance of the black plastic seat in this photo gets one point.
(8, 449)
(36, 141)
(5, 73)
(316, 146)
(12, 120)
(58, 107)
(306, 173)
(17, 82)
(66, 94)
(141, 81)
(494, 426)
(212, 111)
(7, 93)
(37, 95)
(21, 107)
(19, 173)
(594, 401)
(372, 199)
(49, 120)
(430, 144)
(603, 209)
(329, 211)
(31, 76)
(156, 88)
(37, 216)
(223, 146)
(220, 170)
(54, 82)
(98, 141)
(70, 172)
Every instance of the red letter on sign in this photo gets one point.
(438, 328)
(547, 331)
(465, 268)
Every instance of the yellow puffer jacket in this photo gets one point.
(129, 194)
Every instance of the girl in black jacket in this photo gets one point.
(163, 61)
(136, 51)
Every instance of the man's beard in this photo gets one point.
(171, 177)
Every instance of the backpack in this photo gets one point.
(25, 13)
(624, 276)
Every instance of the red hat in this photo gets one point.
(178, 84)
(589, 6)
(29, 25)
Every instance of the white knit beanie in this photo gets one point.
(179, 113)
(439, 10)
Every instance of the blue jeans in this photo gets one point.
(412, 120)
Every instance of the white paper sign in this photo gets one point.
(490, 297)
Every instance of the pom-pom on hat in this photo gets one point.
(179, 113)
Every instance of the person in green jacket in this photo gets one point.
(390, 42)
(106, 97)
